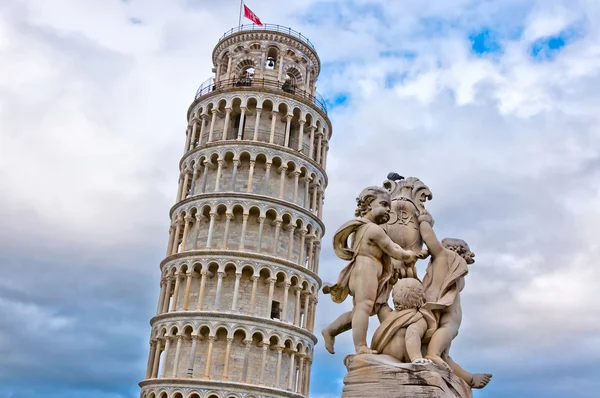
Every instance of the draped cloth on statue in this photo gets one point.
(453, 282)
(402, 319)
(342, 249)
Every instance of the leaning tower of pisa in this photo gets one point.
(239, 283)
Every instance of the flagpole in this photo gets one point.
(241, 7)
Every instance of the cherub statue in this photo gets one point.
(368, 275)
(443, 282)
(402, 331)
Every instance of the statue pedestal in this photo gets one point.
(383, 376)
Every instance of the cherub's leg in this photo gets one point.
(474, 380)
(340, 325)
(439, 342)
(365, 293)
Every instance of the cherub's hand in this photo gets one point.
(423, 254)
(409, 257)
(422, 361)
(424, 216)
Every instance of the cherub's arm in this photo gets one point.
(431, 241)
(378, 236)
(384, 312)
(413, 337)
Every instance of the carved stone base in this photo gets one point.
(383, 376)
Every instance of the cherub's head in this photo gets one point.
(460, 247)
(374, 203)
(408, 293)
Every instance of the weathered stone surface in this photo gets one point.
(383, 376)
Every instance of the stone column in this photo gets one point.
(228, 76)
(176, 240)
(316, 257)
(212, 125)
(307, 181)
(253, 296)
(301, 252)
(177, 353)
(186, 224)
(276, 239)
(179, 187)
(150, 358)
(325, 152)
(202, 125)
(161, 296)
(178, 277)
(186, 181)
(167, 295)
(166, 356)
(194, 178)
(270, 299)
(244, 227)
(297, 291)
(250, 176)
(219, 288)
(273, 120)
(245, 370)
(211, 227)
(278, 368)
(188, 138)
(315, 193)
(307, 376)
(170, 244)
(320, 205)
(301, 135)
(192, 358)
(156, 361)
(229, 217)
(241, 127)
(199, 218)
(257, 124)
(313, 309)
(288, 125)
(311, 244)
(319, 143)
(226, 124)
(283, 170)
(311, 148)
(193, 139)
(204, 178)
(236, 291)
(211, 342)
(261, 225)
(263, 362)
(219, 171)
(306, 301)
(300, 386)
(286, 294)
(267, 177)
(296, 181)
(202, 288)
(290, 252)
(227, 355)
(188, 287)
(236, 164)
(292, 368)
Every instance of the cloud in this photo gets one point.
(92, 108)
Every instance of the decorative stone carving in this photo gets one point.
(413, 341)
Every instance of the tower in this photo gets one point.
(239, 283)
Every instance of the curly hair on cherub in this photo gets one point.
(408, 293)
(365, 198)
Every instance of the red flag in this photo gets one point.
(251, 16)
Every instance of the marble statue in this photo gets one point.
(413, 340)
(368, 275)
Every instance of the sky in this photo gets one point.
(493, 104)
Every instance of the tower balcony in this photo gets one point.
(268, 27)
(249, 83)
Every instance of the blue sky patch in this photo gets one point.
(485, 41)
(339, 99)
(547, 48)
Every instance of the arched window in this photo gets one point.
(272, 55)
